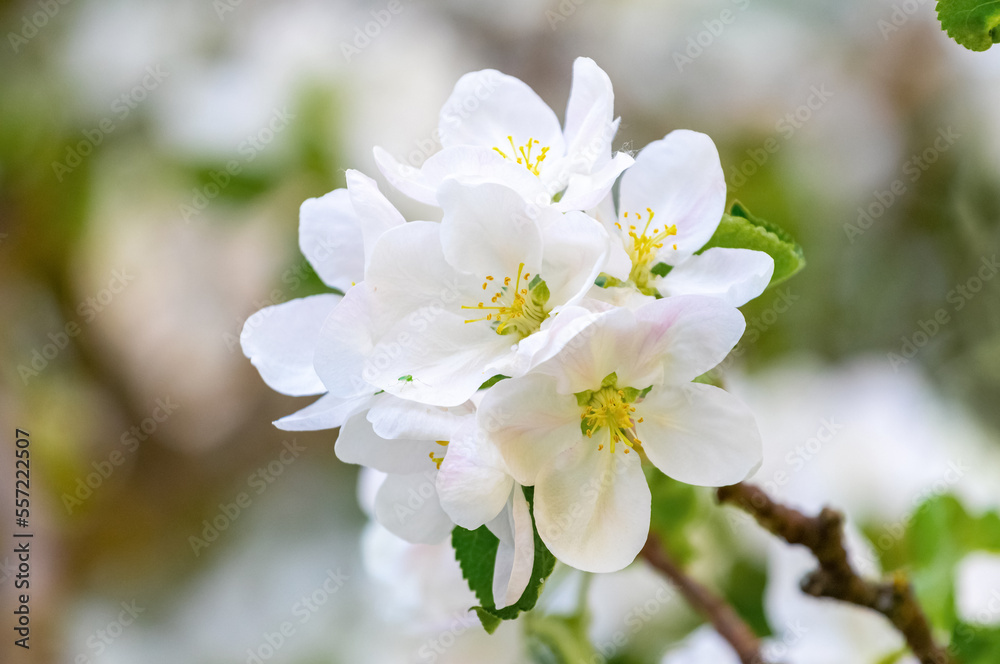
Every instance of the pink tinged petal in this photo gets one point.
(734, 276)
(280, 341)
(376, 213)
(486, 107)
(407, 505)
(529, 423)
(680, 178)
(330, 238)
(488, 229)
(611, 342)
(586, 190)
(516, 552)
(473, 484)
(327, 412)
(358, 443)
(690, 334)
(590, 124)
(699, 434)
(592, 507)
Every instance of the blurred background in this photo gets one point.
(153, 157)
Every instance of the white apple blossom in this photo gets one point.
(494, 128)
(623, 385)
(671, 202)
(337, 234)
(425, 451)
(446, 306)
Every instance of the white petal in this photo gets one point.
(392, 417)
(280, 341)
(680, 178)
(345, 340)
(358, 443)
(590, 115)
(468, 164)
(577, 248)
(735, 276)
(586, 190)
(487, 230)
(592, 507)
(699, 434)
(473, 484)
(486, 107)
(516, 552)
(408, 506)
(330, 238)
(327, 412)
(375, 212)
(529, 423)
(696, 334)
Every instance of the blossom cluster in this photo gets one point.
(546, 331)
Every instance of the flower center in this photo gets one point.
(438, 459)
(610, 407)
(642, 249)
(522, 154)
(518, 310)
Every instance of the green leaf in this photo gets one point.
(741, 230)
(972, 23)
(476, 551)
(940, 534)
(493, 381)
(972, 644)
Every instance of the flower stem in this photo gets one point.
(823, 534)
(723, 617)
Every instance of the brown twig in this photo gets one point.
(722, 616)
(824, 536)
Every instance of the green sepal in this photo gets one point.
(661, 269)
(741, 230)
(407, 378)
(539, 292)
(972, 23)
(476, 552)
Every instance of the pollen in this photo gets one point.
(438, 459)
(642, 248)
(516, 309)
(522, 154)
(609, 408)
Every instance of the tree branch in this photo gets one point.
(824, 536)
(723, 617)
